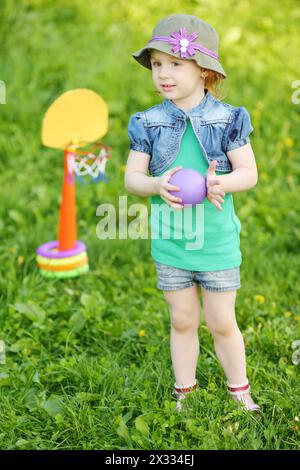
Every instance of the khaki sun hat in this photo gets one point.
(186, 37)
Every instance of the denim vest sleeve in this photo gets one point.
(238, 129)
(139, 140)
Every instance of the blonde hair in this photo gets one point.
(213, 82)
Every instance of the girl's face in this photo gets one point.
(177, 79)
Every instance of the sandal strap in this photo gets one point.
(187, 388)
(181, 392)
(239, 389)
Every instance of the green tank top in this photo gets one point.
(199, 238)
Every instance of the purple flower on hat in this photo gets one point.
(184, 43)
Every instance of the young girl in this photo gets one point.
(192, 128)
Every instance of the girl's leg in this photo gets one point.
(184, 307)
(219, 315)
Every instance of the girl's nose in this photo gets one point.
(163, 73)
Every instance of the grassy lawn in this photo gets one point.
(87, 360)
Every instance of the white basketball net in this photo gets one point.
(89, 164)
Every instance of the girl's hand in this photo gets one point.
(213, 185)
(163, 188)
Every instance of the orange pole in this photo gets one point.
(67, 229)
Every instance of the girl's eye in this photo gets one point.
(158, 63)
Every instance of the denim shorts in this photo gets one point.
(171, 278)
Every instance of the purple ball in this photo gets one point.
(192, 186)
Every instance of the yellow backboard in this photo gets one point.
(78, 117)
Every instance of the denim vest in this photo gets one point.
(219, 127)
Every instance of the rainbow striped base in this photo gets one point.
(62, 264)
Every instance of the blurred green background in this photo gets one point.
(87, 360)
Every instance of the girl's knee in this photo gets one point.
(222, 326)
(185, 319)
(184, 309)
(219, 312)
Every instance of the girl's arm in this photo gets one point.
(137, 182)
(136, 179)
(244, 175)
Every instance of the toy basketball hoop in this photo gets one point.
(74, 123)
(90, 162)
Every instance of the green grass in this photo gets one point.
(79, 373)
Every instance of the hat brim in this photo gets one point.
(143, 57)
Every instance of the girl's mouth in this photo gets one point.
(168, 87)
